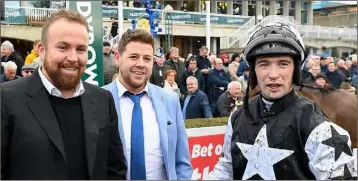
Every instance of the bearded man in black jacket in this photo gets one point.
(278, 134)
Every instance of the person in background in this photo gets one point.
(28, 69)
(343, 71)
(324, 63)
(218, 81)
(354, 66)
(157, 77)
(321, 80)
(225, 58)
(195, 104)
(170, 84)
(8, 54)
(212, 59)
(173, 63)
(137, 3)
(345, 86)
(242, 67)
(109, 65)
(314, 71)
(348, 64)
(306, 68)
(114, 27)
(230, 100)
(203, 62)
(9, 74)
(244, 79)
(184, 8)
(234, 65)
(33, 55)
(333, 77)
(150, 118)
(191, 70)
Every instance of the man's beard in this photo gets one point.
(61, 81)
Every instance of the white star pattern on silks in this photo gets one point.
(261, 158)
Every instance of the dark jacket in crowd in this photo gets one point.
(178, 66)
(197, 74)
(4, 79)
(18, 60)
(203, 62)
(353, 69)
(324, 68)
(217, 84)
(158, 76)
(310, 80)
(305, 72)
(114, 29)
(345, 74)
(334, 78)
(241, 69)
(198, 106)
(225, 104)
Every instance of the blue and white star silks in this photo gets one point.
(261, 158)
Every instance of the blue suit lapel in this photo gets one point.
(160, 107)
(112, 87)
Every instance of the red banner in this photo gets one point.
(204, 153)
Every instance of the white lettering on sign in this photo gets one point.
(85, 9)
(218, 149)
(12, 14)
(204, 151)
(196, 175)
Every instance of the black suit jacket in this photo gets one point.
(31, 141)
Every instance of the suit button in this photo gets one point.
(257, 165)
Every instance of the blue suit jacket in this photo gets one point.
(173, 138)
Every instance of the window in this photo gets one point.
(291, 12)
(252, 10)
(293, 4)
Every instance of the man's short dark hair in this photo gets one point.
(137, 35)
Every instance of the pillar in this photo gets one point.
(157, 43)
(191, 45)
(197, 6)
(311, 50)
(286, 8)
(230, 7)
(298, 11)
(214, 7)
(272, 7)
(258, 9)
(213, 45)
(309, 13)
(179, 4)
(245, 8)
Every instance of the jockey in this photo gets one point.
(279, 134)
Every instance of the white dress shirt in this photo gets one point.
(154, 163)
(52, 90)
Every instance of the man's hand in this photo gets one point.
(204, 71)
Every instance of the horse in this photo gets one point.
(339, 106)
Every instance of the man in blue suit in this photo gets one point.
(149, 118)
